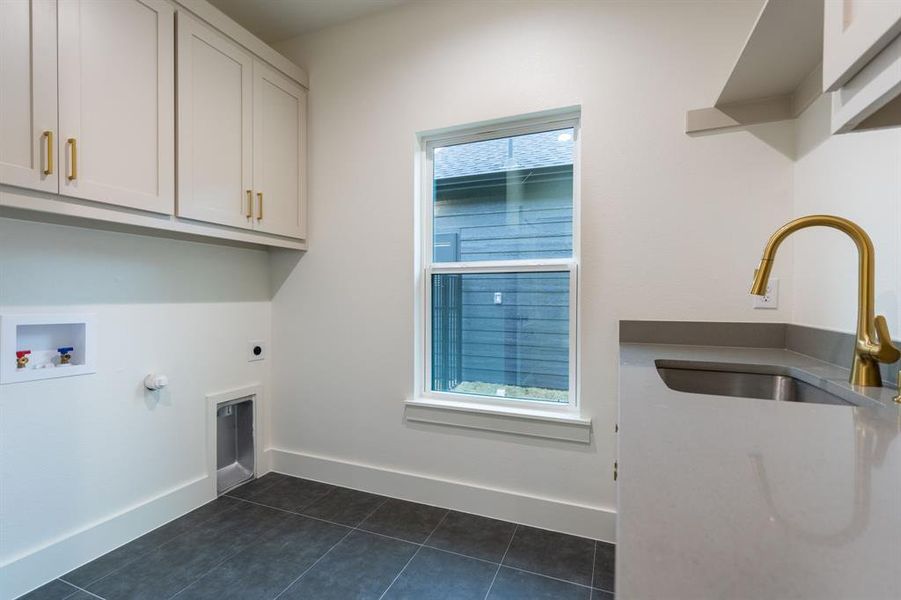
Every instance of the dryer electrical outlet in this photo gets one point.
(256, 350)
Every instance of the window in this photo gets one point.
(499, 256)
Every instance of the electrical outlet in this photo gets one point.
(771, 299)
(256, 350)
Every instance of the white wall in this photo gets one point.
(858, 176)
(672, 225)
(76, 452)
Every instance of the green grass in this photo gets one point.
(511, 391)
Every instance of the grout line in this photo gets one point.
(350, 531)
(551, 577)
(401, 572)
(154, 549)
(292, 512)
(240, 549)
(350, 528)
(391, 537)
(79, 589)
(418, 550)
(307, 570)
(435, 528)
(503, 558)
(484, 560)
(594, 561)
(74, 591)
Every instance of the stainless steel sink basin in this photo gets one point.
(766, 386)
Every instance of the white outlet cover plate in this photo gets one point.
(252, 346)
(771, 299)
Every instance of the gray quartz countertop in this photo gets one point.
(724, 497)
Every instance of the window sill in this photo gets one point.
(518, 421)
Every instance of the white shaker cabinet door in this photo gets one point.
(215, 119)
(854, 32)
(28, 123)
(279, 153)
(116, 108)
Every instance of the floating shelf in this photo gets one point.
(778, 73)
(43, 335)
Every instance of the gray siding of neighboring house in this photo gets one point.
(525, 339)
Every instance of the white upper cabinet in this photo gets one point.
(28, 132)
(93, 125)
(862, 63)
(116, 102)
(854, 32)
(241, 136)
(215, 120)
(279, 153)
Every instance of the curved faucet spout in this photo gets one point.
(874, 344)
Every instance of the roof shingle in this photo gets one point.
(534, 150)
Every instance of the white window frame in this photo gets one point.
(426, 268)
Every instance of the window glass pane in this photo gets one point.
(504, 199)
(502, 335)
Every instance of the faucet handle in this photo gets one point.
(884, 350)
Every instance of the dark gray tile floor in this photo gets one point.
(292, 539)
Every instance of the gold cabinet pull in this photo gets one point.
(48, 139)
(260, 212)
(73, 170)
(249, 214)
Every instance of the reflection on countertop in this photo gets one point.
(726, 497)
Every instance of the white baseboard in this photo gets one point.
(546, 513)
(33, 568)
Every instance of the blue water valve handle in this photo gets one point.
(65, 350)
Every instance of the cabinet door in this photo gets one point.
(116, 108)
(279, 153)
(215, 119)
(854, 32)
(28, 140)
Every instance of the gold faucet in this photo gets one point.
(874, 343)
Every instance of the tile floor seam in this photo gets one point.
(344, 537)
(350, 529)
(435, 528)
(594, 561)
(143, 554)
(401, 572)
(386, 498)
(316, 562)
(290, 512)
(232, 555)
(205, 573)
(500, 564)
(551, 577)
(69, 595)
(484, 560)
(418, 550)
(79, 589)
